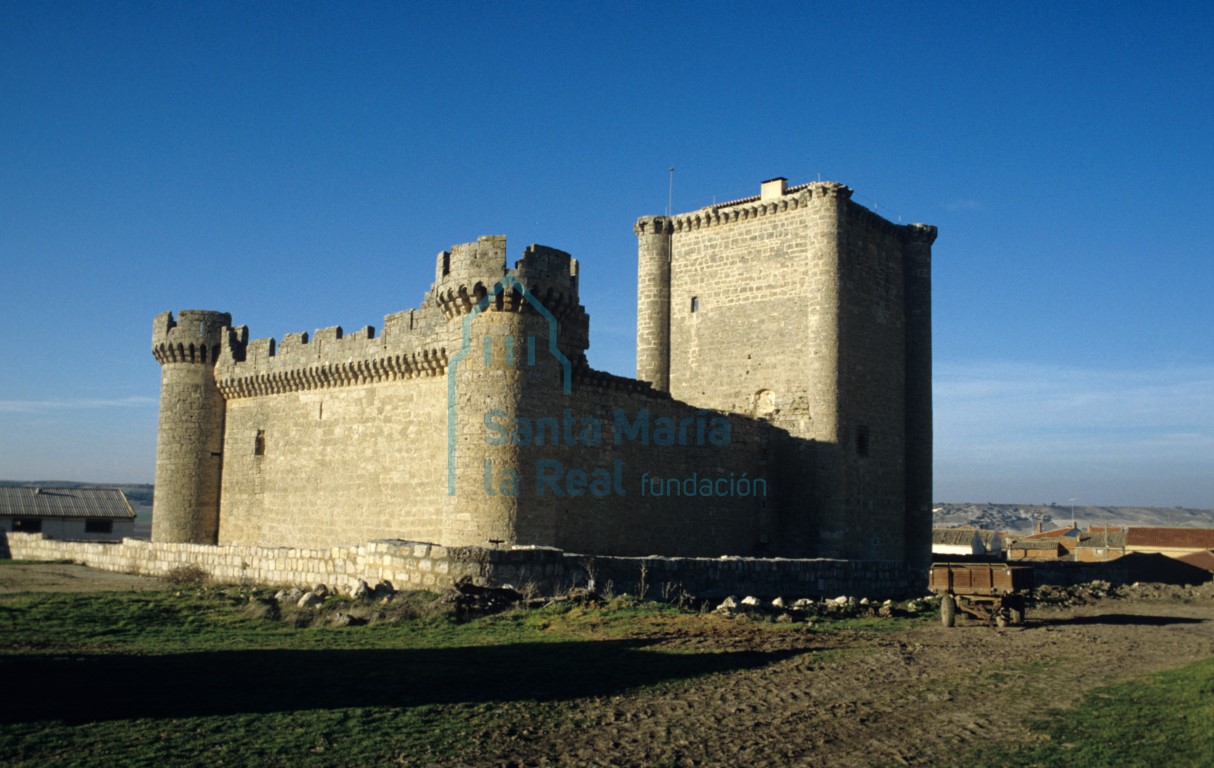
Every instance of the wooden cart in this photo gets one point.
(991, 592)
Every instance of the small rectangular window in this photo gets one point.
(27, 524)
(98, 526)
(862, 440)
(695, 303)
(259, 443)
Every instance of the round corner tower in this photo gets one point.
(653, 300)
(189, 443)
(517, 335)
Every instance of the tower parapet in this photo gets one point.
(189, 444)
(471, 271)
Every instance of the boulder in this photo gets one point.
(290, 595)
(727, 606)
(310, 600)
(360, 590)
(384, 588)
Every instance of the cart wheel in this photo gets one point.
(948, 611)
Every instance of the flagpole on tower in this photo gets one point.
(670, 193)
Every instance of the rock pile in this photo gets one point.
(468, 599)
(806, 609)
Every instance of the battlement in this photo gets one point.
(483, 259)
(585, 376)
(776, 197)
(328, 358)
(195, 336)
(414, 342)
(471, 271)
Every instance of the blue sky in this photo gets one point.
(300, 164)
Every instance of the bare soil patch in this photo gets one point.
(923, 695)
(66, 577)
(898, 693)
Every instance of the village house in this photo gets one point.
(1099, 544)
(96, 514)
(966, 542)
(1173, 542)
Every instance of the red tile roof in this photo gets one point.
(1178, 538)
(1203, 559)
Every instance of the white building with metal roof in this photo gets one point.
(97, 514)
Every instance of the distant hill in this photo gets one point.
(1023, 518)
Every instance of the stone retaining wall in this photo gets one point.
(418, 565)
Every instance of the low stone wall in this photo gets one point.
(763, 577)
(418, 565)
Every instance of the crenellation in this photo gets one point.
(795, 321)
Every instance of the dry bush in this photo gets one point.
(187, 576)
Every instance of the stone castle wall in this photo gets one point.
(417, 565)
(682, 497)
(336, 465)
(334, 439)
(793, 307)
(872, 381)
(783, 317)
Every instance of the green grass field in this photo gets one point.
(1166, 720)
(212, 677)
(221, 676)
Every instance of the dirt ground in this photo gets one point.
(918, 696)
(64, 577)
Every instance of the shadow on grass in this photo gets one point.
(86, 688)
(1120, 619)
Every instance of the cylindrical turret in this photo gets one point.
(505, 368)
(653, 300)
(917, 268)
(189, 443)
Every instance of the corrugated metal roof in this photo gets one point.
(1180, 538)
(953, 536)
(988, 538)
(65, 502)
(1057, 533)
(1103, 538)
(1031, 543)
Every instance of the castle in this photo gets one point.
(782, 405)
